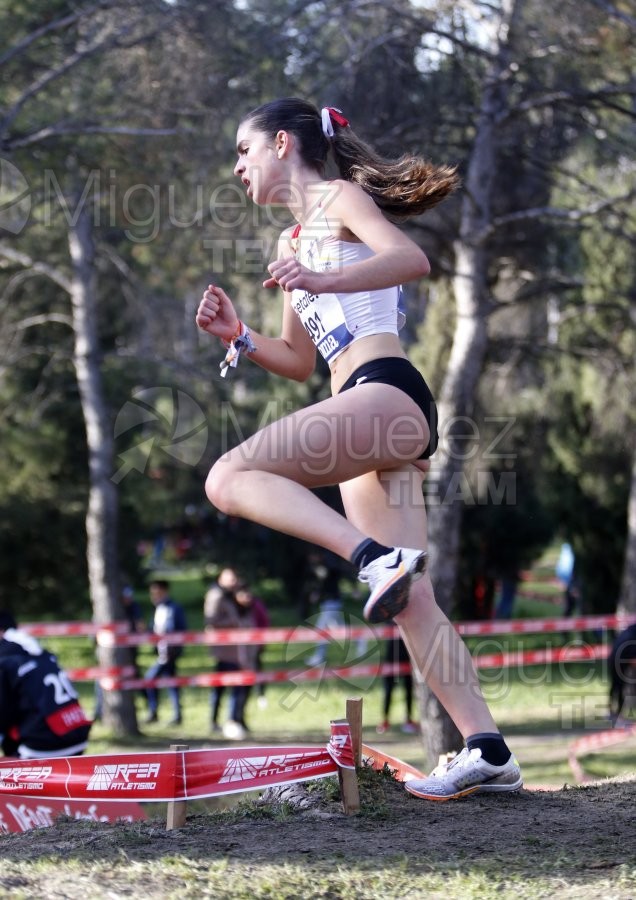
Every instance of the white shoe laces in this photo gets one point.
(372, 569)
(460, 760)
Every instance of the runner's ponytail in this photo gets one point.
(401, 188)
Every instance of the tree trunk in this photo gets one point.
(102, 512)
(455, 407)
(456, 400)
(627, 603)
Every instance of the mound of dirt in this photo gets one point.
(590, 827)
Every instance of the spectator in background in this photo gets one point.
(134, 617)
(169, 618)
(260, 619)
(40, 714)
(397, 653)
(330, 614)
(565, 571)
(622, 672)
(136, 625)
(508, 585)
(221, 610)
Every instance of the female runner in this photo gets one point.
(340, 268)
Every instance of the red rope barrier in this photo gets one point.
(115, 634)
(597, 741)
(371, 670)
(119, 678)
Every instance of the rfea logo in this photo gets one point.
(124, 777)
(24, 778)
(250, 768)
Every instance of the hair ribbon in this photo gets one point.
(329, 115)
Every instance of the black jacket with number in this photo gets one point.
(39, 710)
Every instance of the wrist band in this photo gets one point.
(241, 343)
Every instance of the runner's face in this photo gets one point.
(258, 165)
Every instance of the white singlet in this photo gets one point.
(333, 321)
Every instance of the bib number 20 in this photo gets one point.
(61, 683)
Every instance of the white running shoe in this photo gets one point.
(234, 731)
(466, 774)
(390, 578)
(410, 727)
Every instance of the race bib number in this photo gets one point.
(324, 321)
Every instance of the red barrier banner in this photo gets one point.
(19, 814)
(340, 746)
(147, 776)
(209, 773)
(172, 775)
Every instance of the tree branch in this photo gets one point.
(55, 25)
(573, 97)
(56, 130)
(44, 319)
(51, 75)
(39, 268)
(104, 41)
(572, 216)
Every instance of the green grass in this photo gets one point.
(396, 878)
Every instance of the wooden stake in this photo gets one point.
(354, 717)
(176, 815)
(349, 791)
(348, 778)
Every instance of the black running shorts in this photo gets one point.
(401, 374)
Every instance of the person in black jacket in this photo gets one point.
(40, 715)
(169, 617)
(622, 672)
(397, 654)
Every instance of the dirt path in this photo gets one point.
(581, 842)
